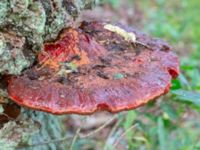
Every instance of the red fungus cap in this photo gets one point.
(111, 73)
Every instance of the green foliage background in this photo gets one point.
(175, 125)
(174, 122)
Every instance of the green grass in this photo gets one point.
(174, 124)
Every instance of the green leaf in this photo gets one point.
(72, 66)
(176, 84)
(188, 96)
(184, 82)
(169, 110)
(118, 76)
(114, 3)
(130, 117)
(161, 134)
(129, 121)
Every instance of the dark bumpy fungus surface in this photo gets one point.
(91, 68)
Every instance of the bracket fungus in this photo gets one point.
(95, 68)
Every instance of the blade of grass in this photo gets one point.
(189, 96)
(161, 134)
(75, 138)
(123, 134)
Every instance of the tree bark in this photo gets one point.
(31, 23)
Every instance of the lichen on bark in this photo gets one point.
(12, 59)
(24, 26)
(35, 21)
(18, 133)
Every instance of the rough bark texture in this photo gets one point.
(26, 24)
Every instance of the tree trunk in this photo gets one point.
(24, 26)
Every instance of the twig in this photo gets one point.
(111, 133)
(123, 134)
(100, 128)
(75, 138)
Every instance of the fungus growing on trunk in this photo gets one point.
(93, 68)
